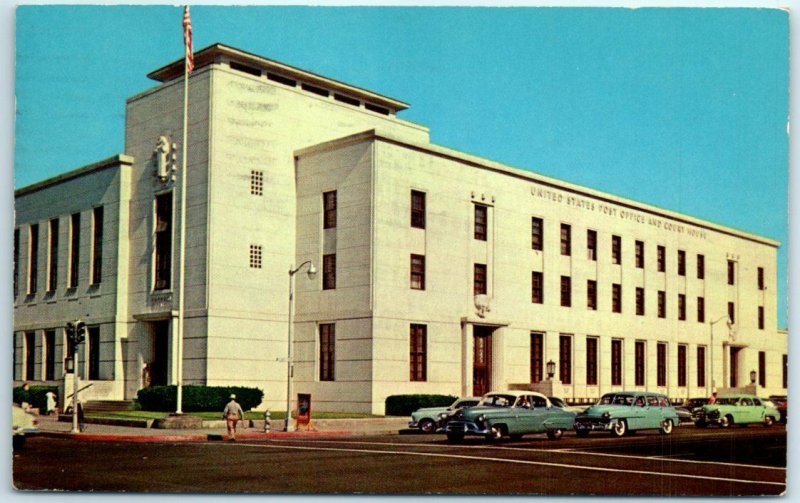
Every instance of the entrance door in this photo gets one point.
(482, 360)
(160, 355)
(734, 366)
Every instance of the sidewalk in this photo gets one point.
(49, 426)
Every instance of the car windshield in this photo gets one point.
(557, 401)
(727, 401)
(498, 400)
(616, 399)
(460, 404)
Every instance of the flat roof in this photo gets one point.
(113, 161)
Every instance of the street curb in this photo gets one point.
(205, 437)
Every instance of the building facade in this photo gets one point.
(439, 272)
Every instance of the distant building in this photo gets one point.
(439, 272)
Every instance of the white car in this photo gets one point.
(24, 425)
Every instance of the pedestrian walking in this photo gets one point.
(51, 402)
(232, 414)
(713, 399)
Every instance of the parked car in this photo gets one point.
(24, 425)
(558, 402)
(737, 409)
(428, 419)
(781, 403)
(689, 408)
(512, 414)
(627, 411)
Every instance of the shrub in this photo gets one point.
(34, 395)
(404, 405)
(197, 398)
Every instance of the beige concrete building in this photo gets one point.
(439, 272)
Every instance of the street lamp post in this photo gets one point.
(711, 383)
(551, 369)
(752, 377)
(312, 271)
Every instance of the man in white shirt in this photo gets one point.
(233, 413)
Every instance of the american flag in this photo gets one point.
(187, 38)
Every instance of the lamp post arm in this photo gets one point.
(292, 272)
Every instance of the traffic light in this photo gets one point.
(80, 332)
(70, 329)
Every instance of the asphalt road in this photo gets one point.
(738, 461)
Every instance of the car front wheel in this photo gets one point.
(768, 421)
(496, 433)
(666, 427)
(725, 421)
(619, 429)
(427, 426)
(555, 434)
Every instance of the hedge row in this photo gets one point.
(34, 395)
(404, 405)
(197, 398)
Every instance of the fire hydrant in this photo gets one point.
(267, 421)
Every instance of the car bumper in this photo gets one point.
(466, 428)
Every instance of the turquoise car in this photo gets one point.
(625, 411)
(429, 419)
(512, 414)
(737, 409)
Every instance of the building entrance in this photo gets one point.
(482, 360)
(160, 354)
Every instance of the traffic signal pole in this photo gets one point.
(76, 333)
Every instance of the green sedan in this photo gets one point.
(625, 411)
(737, 409)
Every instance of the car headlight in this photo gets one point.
(480, 419)
(443, 415)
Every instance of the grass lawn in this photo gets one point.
(277, 415)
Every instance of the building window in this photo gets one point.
(566, 239)
(616, 250)
(16, 262)
(785, 371)
(479, 279)
(681, 263)
(417, 272)
(732, 312)
(50, 355)
(661, 364)
(731, 273)
(327, 354)
(662, 304)
(591, 244)
(591, 361)
(565, 359)
(97, 245)
(639, 301)
(701, 310)
(256, 182)
(639, 363)
(701, 267)
(616, 298)
(30, 355)
(761, 278)
(681, 306)
(762, 369)
(163, 251)
(537, 288)
(761, 317)
(329, 206)
(661, 259)
(640, 254)
(537, 357)
(33, 259)
(616, 362)
(537, 233)
(417, 209)
(75, 246)
(682, 365)
(52, 275)
(591, 294)
(481, 222)
(255, 256)
(566, 291)
(329, 271)
(418, 357)
(94, 353)
(701, 366)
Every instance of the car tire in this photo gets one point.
(725, 421)
(427, 426)
(581, 433)
(619, 429)
(495, 433)
(666, 427)
(768, 421)
(455, 437)
(555, 434)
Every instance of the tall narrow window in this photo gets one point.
(616, 250)
(681, 263)
(682, 365)
(16, 262)
(417, 272)
(417, 209)
(732, 312)
(50, 355)
(785, 371)
(537, 233)
(566, 239)
(566, 291)
(701, 309)
(537, 357)
(731, 273)
(418, 357)
(761, 317)
(327, 353)
(662, 304)
(616, 362)
(661, 364)
(479, 279)
(30, 355)
(52, 273)
(701, 267)
(640, 254)
(760, 278)
(762, 369)
(565, 359)
(591, 244)
(537, 287)
(94, 352)
(163, 251)
(701, 366)
(681, 306)
(329, 271)
(616, 298)
(639, 301)
(97, 245)
(591, 361)
(75, 246)
(33, 259)
(591, 294)
(481, 222)
(329, 208)
(639, 363)
(661, 258)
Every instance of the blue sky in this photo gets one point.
(685, 109)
